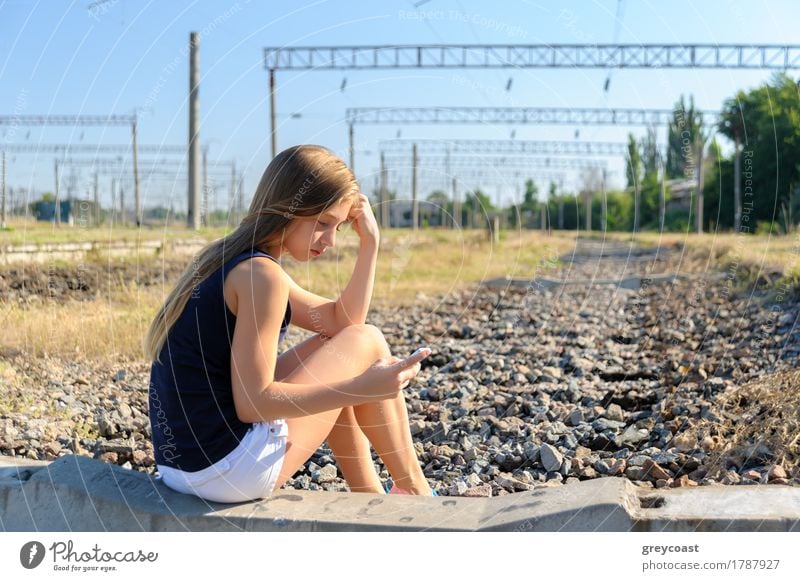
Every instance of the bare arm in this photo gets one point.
(260, 291)
(352, 305)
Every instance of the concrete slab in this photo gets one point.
(75, 493)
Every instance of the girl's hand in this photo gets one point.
(386, 377)
(363, 221)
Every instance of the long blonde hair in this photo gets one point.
(303, 180)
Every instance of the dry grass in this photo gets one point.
(32, 232)
(429, 262)
(103, 330)
(759, 424)
(769, 252)
(432, 262)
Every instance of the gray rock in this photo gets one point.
(551, 458)
(118, 446)
(458, 488)
(602, 424)
(531, 451)
(633, 435)
(614, 412)
(325, 474)
(510, 483)
(575, 417)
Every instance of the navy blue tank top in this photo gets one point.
(192, 415)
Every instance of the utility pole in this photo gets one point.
(588, 197)
(113, 199)
(96, 202)
(232, 193)
(414, 204)
(274, 132)
(737, 184)
(240, 198)
(3, 217)
(351, 148)
(193, 214)
(58, 199)
(137, 196)
(384, 195)
(604, 207)
(204, 210)
(456, 205)
(700, 184)
(662, 196)
(124, 218)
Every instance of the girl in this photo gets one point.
(231, 420)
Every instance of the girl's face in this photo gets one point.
(309, 236)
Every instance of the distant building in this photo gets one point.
(680, 194)
(400, 213)
(72, 211)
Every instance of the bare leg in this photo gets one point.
(346, 355)
(386, 425)
(349, 444)
(352, 451)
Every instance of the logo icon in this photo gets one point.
(31, 554)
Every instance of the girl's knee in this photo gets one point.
(364, 333)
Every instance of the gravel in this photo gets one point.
(526, 386)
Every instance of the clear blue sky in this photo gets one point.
(118, 55)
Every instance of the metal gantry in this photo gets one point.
(523, 115)
(505, 146)
(67, 148)
(496, 163)
(511, 115)
(520, 56)
(85, 121)
(168, 169)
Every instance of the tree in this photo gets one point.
(770, 126)
(650, 188)
(438, 197)
(685, 132)
(531, 199)
(633, 169)
(527, 207)
(477, 204)
(650, 152)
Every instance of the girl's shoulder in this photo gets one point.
(255, 267)
(249, 277)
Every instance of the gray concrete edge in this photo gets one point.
(76, 493)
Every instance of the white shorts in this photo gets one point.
(247, 473)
